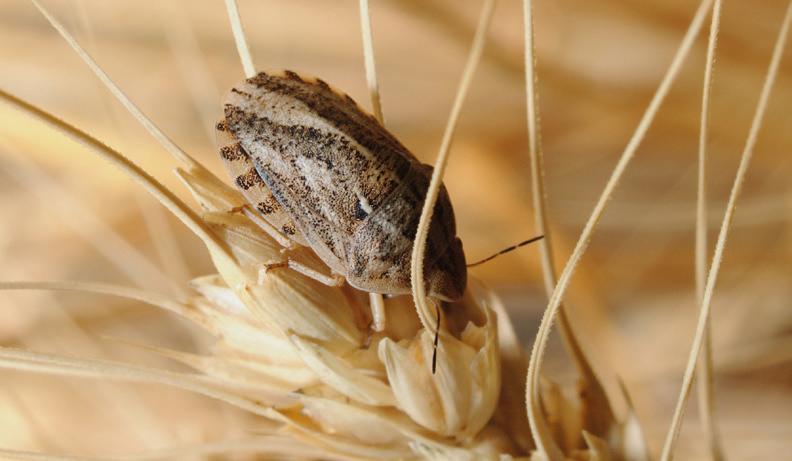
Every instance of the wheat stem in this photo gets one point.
(239, 38)
(539, 427)
(193, 66)
(154, 187)
(706, 398)
(539, 194)
(376, 300)
(368, 55)
(155, 299)
(161, 138)
(17, 359)
(543, 333)
(720, 245)
(84, 222)
(425, 313)
(275, 445)
(280, 446)
(539, 197)
(165, 243)
(22, 455)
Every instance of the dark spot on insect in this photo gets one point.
(312, 133)
(249, 179)
(359, 266)
(292, 76)
(221, 126)
(265, 208)
(360, 213)
(231, 153)
(288, 229)
(259, 79)
(243, 93)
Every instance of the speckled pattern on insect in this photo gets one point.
(330, 176)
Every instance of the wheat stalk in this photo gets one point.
(720, 245)
(706, 396)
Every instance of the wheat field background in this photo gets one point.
(66, 215)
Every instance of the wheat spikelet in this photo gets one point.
(300, 353)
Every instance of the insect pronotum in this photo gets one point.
(325, 174)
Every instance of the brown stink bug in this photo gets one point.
(325, 174)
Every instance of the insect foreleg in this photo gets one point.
(333, 280)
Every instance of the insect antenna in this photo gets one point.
(506, 250)
(436, 340)
(489, 258)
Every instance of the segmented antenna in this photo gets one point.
(436, 340)
(489, 258)
(506, 250)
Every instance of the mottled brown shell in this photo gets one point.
(330, 176)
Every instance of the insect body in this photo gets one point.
(330, 176)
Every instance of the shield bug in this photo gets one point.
(323, 173)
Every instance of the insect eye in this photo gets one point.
(360, 213)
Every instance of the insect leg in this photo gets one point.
(262, 273)
(333, 280)
(276, 234)
(377, 311)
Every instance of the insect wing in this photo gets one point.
(328, 163)
(248, 181)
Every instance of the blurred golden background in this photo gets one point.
(66, 215)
